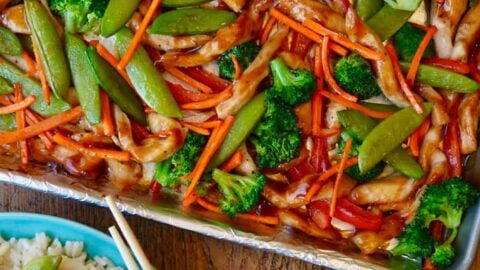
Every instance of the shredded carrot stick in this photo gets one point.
(42, 126)
(43, 77)
(329, 132)
(356, 106)
(417, 136)
(328, 74)
(91, 151)
(212, 146)
(325, 176)
(30, 63)
(317, 65)
(344, 41)
(412, 71)
(305, 31)
(137, 38)
(252, 217)
(401, 79)
(107, 121)
(267, 29)
(19, 106)
(317, 118)
(196, 129)
(208, 124)
(238, 68)
(341, 168)
(105, 54)
(20, 119)
(233, 162)
(187, 79)
(209, 103)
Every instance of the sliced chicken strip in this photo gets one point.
(430, 144)
(468, 123)
(439, 113)
(438, 167)
(467, 33)
(384, 190)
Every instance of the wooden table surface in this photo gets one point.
(166, 246)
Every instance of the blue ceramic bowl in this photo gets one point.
(26, 225)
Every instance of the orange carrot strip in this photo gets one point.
(20, 119)
(208, 124)
(137, 38)
(325, 176)
(328, 74)
(233, 162)
(318, 68)
(412, 71)
(267, 29)
(199, 130)
(105, 54)
(19, 106)
(328, 132)
(212, 146)
(341, 168)
(187, 79)
(91, 151)
(355, 106)
(107, 121)
(305, 31)
(417, 136)
(30, 63)
(401, 79)
(43, 77)
(209, 103)
(316, 102)
(344, 41)
(252, 217)
(42, 126)
(238, 68)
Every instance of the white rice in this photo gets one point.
(15, 253)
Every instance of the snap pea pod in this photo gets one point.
(182, 3)
(116, 87)
(387, 21)
(380, 107)
(367, 8)
(146, 79)
(7, 122)
(245, 121)
(9, 43)
(44, 263)
(30, 86)
(388, 135)
(5, 87)
(117, 14)
(443, 78)
(50, 47)
(191, 21)
(84, 79)
(358, 126)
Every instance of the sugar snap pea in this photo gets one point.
(191, 21)
(443, 78)
(387, 21)
(245, 121)
(146, 79)
(367, 8)
(116, 87)
(117, 14)
(388, 135)
(44, 263)
(84, 79)
(5, 87)
(182, 3)
(7, 122)
(50, 47)
(9, 43)
(12, 74)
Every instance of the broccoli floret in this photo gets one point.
(415, 240)
(245, 54)
(444, 254)
(78, 15)
(407, 40)
(240, 193)
(181, 162)
(292, 86)
(355, 75)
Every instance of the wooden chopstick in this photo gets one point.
(129, 235)
(123, 248)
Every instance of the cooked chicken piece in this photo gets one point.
(165, 42)
(291, 219)
(439, 113)
(368, 242)
(446, 17)
(389, 189)
(244, 88)
(124, 174)
(243, 29)
(292, 196)
(302, 10)
(293, 61)
(247, 167)
(468, 122)
(438, 167)
(13, 18)
(150, 149)
(467, 33)
(235, 5)
(359, 32)
(346, 186)
(429, 146)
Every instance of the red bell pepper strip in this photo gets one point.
(299, 171)
(216, 83)
(452, 142)
(318, 211)
(300, 44)
(453, 65)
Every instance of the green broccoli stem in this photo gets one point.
(70, 22)
(281, 72)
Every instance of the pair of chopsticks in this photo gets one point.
(131, 240)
